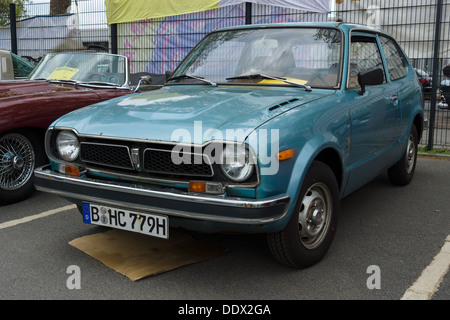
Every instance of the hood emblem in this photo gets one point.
(135, 158)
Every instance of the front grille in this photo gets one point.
(106, 155)
(152, 159)
(171, 162)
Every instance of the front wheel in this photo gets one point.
(20, 153)
(311, 228)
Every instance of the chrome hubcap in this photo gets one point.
(315, 215)
(410, 155)
(16, 161)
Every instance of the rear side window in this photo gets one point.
(395, 62)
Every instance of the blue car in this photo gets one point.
(260, 129)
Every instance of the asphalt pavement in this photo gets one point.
(386, 238)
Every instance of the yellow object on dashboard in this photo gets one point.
(273, 81)
(63, 73)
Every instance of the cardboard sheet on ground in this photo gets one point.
(138, 256)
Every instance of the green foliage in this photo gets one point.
(434, 151)
(21, 11)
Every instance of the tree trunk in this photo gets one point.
(59, 6)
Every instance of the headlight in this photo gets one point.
(236, 163)
(67, 145)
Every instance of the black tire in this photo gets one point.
(402, 172)
(311, 228)
(20, 153)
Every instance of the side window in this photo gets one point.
(364, 55)
(394, 59)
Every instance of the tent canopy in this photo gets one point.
(119, 11)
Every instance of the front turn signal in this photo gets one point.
(197, 186)
(285, 154)
(206, 187)
(71, 170)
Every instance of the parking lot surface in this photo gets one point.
(386, 238)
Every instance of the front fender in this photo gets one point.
(310, 152)
(292, 172)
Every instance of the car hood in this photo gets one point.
(173, 113)
(21, 88)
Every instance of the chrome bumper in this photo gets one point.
(171, 202)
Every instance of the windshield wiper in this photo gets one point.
(80, 83)
(99, 83)
(183, 76)
(265, 76)
(75, 82)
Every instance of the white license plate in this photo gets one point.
(150, 224)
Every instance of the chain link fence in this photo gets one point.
(159, 45)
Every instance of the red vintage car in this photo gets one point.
(60, 83)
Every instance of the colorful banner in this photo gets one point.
(120, 11)
(158, 45)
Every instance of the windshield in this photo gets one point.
(303, 56)
(95, 68)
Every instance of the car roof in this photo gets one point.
(346, 27)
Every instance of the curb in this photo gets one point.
(436, 156)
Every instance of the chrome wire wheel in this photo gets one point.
(16, 161)
(314, 215)
(410, 154)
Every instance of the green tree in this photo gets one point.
(21, 11)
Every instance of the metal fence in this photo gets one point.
(158, 45)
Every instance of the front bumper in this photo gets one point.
(168, 201)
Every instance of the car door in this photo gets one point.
(397, 70)
(375, 114)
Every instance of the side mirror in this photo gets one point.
(145, 80)
(370, 78)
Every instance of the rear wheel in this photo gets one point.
(403, 171)
(20, 153)
(311, 228)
